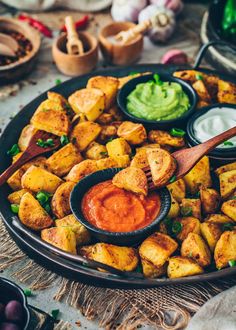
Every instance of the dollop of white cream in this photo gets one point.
(213, 122)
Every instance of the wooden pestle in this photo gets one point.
(74, 44)
(129, 35)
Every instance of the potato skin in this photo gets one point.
(133, 133)
(25, 136)
(195, 247)
(210, 200)
(61, 237)
(164, 138)
(191, 206)
(183, 266)
(84, 133)
(140, 159)
(82, 169)
(61, 200)
(225, 168)
(189, 225)
(225, 249)
(229, 208)
(32, 215)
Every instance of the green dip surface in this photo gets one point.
(152, 101)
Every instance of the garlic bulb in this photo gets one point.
(175, 5)
(163, 22)
(127, 10)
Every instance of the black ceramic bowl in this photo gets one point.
(127, 238)
(153, 124)
(220, 155)
(11, 291)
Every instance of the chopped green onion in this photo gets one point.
(232, 198)
(45, 144)
(58, 81)
(42, 197)
(40, 143)
(177, 132)
(228, 226)
(157, 79)
(55, 313)
(228, 143)
(14, 150)
(103, 153)
(186, 211)
(49, 143)
(232, 263)
(15, 208)
(176, 227)
(190, 254)
(133, 73)
(64, 140)
(172, 179)
(27, 292)
(199, 76)
(47, 208)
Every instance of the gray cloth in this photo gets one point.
(219, 313)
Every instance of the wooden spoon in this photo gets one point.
(31, 151)
(8, 45)
(73, 45)
(187, 158)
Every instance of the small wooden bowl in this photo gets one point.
(22, 67)
(116, 53)
(76, 65)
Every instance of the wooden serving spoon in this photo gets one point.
(187, 158)
(33, 150)
(8, 45)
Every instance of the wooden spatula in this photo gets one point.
(187, 158)
(34, 149)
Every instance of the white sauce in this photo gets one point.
(213, 122)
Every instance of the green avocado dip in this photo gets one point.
(157, 100)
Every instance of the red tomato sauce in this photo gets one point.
(116, 210)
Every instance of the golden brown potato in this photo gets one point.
(116, 113)
(58, 98)
(61, 237)
(195, 247)
(122, 161)
(140, 159)
(199, 175)
(164, 138)
(132, 133)
(189, 225)
(49, 104)
(211, 82)
(162, 166)
(85, 133)
(105, 118)
(25, 137)
(108, 85)
(82, 235)
(229, 208)
(210, 199)
(151, 271)
(88, 101)
(120, 257)
(118, 147)
(191, 207)
(82, 169)
(202, 91)
(211, 232)
(226, 92)
(183, 266)
(177, 189)
(96, 151)
(202, 104)
(225, 249)
(189, 75)
(32, 214)
(218, 218)
(174, 209)
(62, 161)
(225, 168)
(132, 179)
(37, 179)
(108, 162)
(108, 132)
(157, 248)
(61, 200)
(227, 183)
(15, 197)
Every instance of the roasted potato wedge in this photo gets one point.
(202, 91)
(37, 179)
(120, 257)
(58, 98)
(122, 161)
(174, 209)
(61, 237)
(96, 151)
(132, 133)
(85, 133)
(189, 75)
(108, 132)
(118, 147)
(218, 218)
(157, 248)
(227, 183)
(229, 208)
(61, 200)
(25, 137)
(226, 92)
(177, 189)
(225, 168)
(162, 166)
(32, 214)
(189, 225)
(211, 232)
(108, 162)
(108, 85)
(191, 207)
(15, 197)
(140, 159)
(82, 169)
(151, 271)
(183, 266)
(210, 200)
(225, 249)
(62, 161)
(164, 138)
(195, 247)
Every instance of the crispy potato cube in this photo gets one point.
(120, 257)
(85, 133)
(192, 207)
(177, 189)
(116, 113)
(218, 218)
(61, 200)
(132, 179)
(37, 179)
(183, 266)
(61, 237)
(226, 92)
(140, 159)
(227, 183)
(225, 168)
(32, 214)
(210, 199)
(195, 247)
(174, 209)
(157, 248)
(211, 232)
(189, 225)
(105, 119)
(229, 208)
(151, 271)
(199, 175)
(118, 147)
(96, 151)
(25, 137)
(82, 235)
(107, 133)
(82, 169)
(58, 98)
(202, 91)
(48, 105)
(15, 197)
(122, 161)
(132, 133)
(62, 161)
(108, 85)
(188, 75)
(225, 249)
(162, 166)
(164, 138)
(104, 163)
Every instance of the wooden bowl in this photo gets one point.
(116, 53)
(22, 67)
(76, 65)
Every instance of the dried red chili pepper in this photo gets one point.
(37, 25)
(80, 24)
